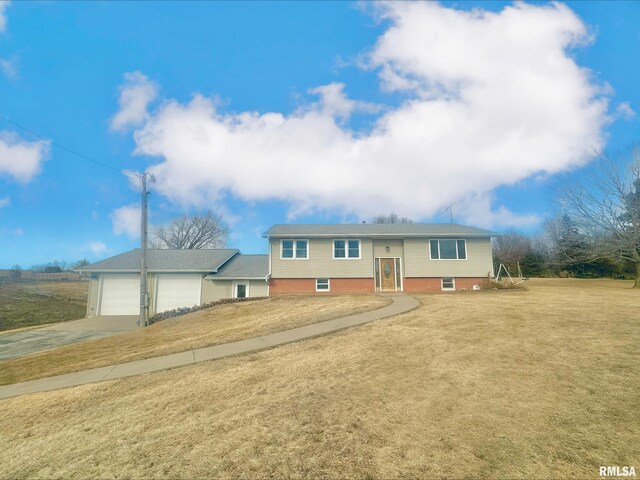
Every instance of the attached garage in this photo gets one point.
(177, 290)
(120, 295)
(176, 279)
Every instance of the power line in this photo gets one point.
(53, 142)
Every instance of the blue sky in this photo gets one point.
(301, 112)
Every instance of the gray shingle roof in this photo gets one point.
(244, 266)
(165, 261)
(377, 230)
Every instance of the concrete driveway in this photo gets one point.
(52, 336)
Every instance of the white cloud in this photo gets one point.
(3, 16)
(5, 202)
(8, 68)
(97, 247)
(18, 232)
(135, 95)
(20, 159)
(477, 209)
(625, 111)
(126, 221)
(491, 99)
(334, 102)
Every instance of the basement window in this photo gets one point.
(448, 283)
(322, 284)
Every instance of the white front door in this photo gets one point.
(176, 291)
(120, 295)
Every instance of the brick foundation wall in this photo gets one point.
(432, 284)
(307, 286)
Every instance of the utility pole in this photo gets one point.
(144, 293)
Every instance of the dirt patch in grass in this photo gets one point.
(27, 304)
(213, 326)
(542, 383)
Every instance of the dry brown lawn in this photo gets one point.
(23, 305)
(76, 291)
(212, 326)
(542, 383)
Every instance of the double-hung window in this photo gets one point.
(294, 249)
(445, 249)
(448, 283)
(322, 285)
(346, 249)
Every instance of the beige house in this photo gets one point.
(176, 278)
(363, 258)
(302, 259)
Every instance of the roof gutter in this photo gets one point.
(213, 277)
(132, 270)
(382, 235)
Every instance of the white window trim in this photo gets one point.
(346, 249)
(328, 289)
(235, 288)
(448, 289)
(295, 240)
(466, 250)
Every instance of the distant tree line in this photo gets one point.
(55, 266)
(560, 251)
(596, 235)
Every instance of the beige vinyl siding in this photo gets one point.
(214, 290)
(92, 300)
(258, 288)
(320, 263)
(417, 263)
(396, 248)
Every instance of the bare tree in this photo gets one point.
(511, 247)
(80, 263)
(564, 243)
(16, 272)
(391, 218)
(606, 211)
(192, 232)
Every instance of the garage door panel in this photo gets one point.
(176, 291)
(120, 295)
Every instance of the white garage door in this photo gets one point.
(120, 295)
(175, 291)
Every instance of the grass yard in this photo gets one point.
(28, 304)
(542, 383)
(212, 326)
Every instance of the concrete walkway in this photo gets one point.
(401, 303)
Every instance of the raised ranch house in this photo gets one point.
(365, 258)
(302, 259)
